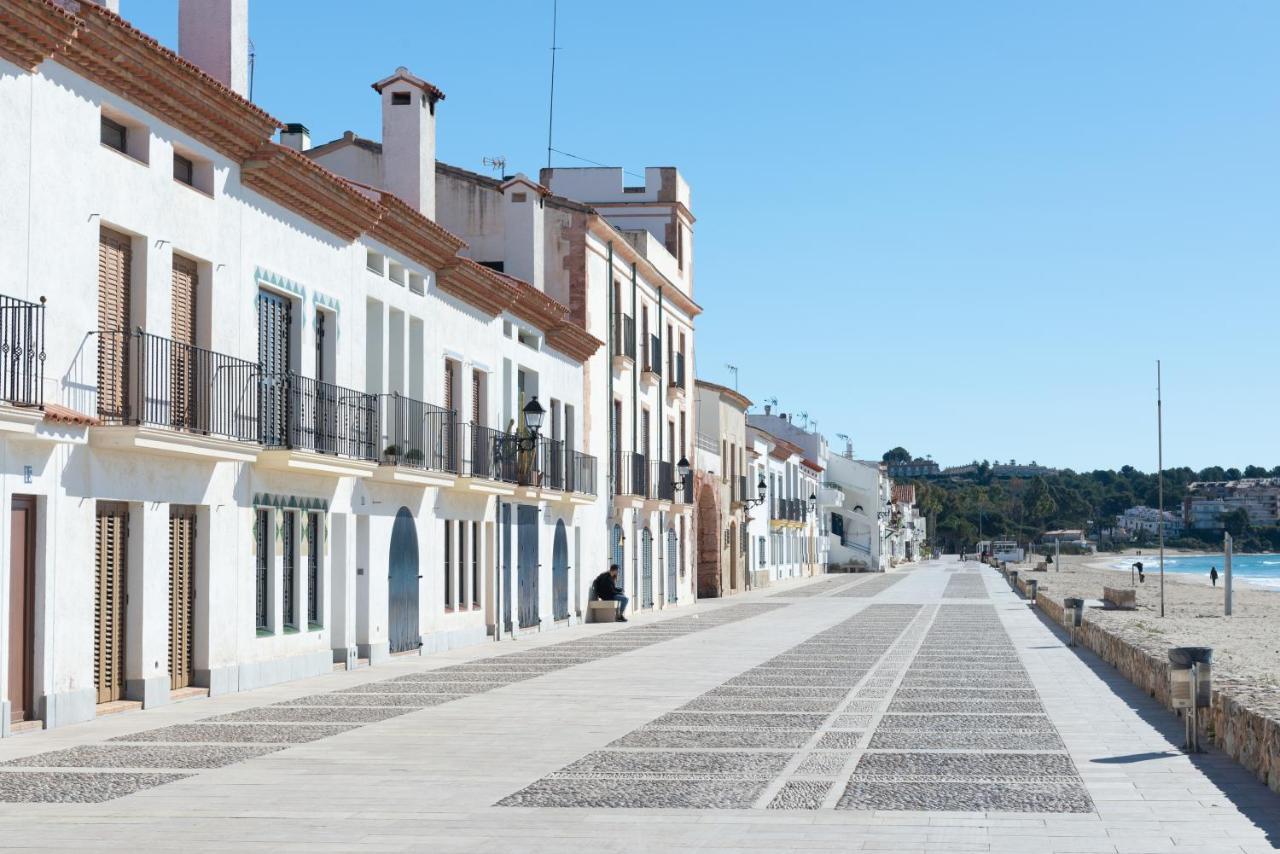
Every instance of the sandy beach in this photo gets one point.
(1246, 645)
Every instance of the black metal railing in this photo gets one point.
(550, 463)
(788, 510)
(311, 415)
(114, 346)
(633, 478)
(653, 355)
(188, 388)
(677, 371)
(624, 336)
(22, 351)
(489, 454)
(663, 486)
(580, 473)
(417, 434)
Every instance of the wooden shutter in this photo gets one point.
(448, 384)
(274, 322)
(184, 385)
(313, 568)
(289, 587)
(115, 261)
(182, 538)
(475, 397)
(185, 283)
(109, 600)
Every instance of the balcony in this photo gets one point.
(334, 427)
(173, 398)
(506, 458)
(787, 512)
(632, 477)
(651, 370)
(675, 383)
(21, 352)
(662, 484)
(419, 441)
(624, 341)
(738, 487)
(580, 473)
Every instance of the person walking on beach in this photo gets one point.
(1213, 576)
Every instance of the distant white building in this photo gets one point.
(1146, 520)
(1207, 502)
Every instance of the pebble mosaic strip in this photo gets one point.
(819, 588)
(877, 584)
(219, 740)
(956, 697)
(75, 787)
(145, 756)
(752, 710)
(823, 763)
(966, 585)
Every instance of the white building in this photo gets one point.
(1207, 502)
(726, 495)
(270, 419)
(1146, 520)
(787, 538)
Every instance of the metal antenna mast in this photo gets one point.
(551, 105)
(734, 370)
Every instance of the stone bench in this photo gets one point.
(602, 611)
(1121, 598)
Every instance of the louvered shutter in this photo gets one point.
(289, 587)
(182, 536)
(115, 260)
(184, 384)
(109, 600)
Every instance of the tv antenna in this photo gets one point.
(733, 369)
(551, 103)
(497, 164)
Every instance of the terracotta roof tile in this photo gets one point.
(56, 414)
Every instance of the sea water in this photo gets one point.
(1260, 570)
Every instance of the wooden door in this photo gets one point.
(672, 559)
(110, 599)
(560, 573)
(527, 564)
(646, 569)
(115, 262)
(403, 630)
(22, 578)
(182, 577)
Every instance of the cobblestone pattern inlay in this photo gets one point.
(957, 736)
(737, 742)
(965, 585)
(818, 588)
(867, 589)
(222, 739)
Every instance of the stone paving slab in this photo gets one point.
(145, 756)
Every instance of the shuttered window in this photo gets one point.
(462, 566)
(288, 589)
(115, 262)
(448, 564)
(313, 569)
(265, 558)
(475, 564)
(184, 384)
(475, 398)
(109, 600)
(182, 538)
(274, 360)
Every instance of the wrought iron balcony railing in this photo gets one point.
(191, 389)
(21, 351)
(302, 413)
(417, 434)
(653, 355)
(624, 335)
(580, 473)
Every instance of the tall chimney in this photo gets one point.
(109, 5)
(409, 139)
(522, 213)
(214, 34)
(296, 136)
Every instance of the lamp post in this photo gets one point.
(761, 489)
(533, 415)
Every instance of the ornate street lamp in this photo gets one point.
(761, 489)
(533, 415)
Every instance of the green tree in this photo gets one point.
(1236, 523)
(897, 455)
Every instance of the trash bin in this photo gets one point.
(1191, 686)
(1013, 579)
(1032, 585)
(1073, 611)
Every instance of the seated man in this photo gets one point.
(605, 588)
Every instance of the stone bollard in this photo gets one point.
(1190, 686)
(1032, 586)
(1013, 580)
(1073, 616)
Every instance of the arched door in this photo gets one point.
(708, 541)
(560, 573)
(646, 569)
(402, 585)
(673, 552)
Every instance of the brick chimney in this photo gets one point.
(214, 34)
(522, 212)
(409, 138)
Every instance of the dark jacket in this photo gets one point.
(603, 587)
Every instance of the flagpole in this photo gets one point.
(1160, 476)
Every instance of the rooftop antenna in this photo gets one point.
(733, 369)
(253, 54)
(497, 164)
(805, 416)
(551, 104)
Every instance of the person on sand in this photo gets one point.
(605, 588)
(1213, 576)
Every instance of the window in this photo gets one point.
(115, 135)
(184, 170)
(290, 586)
(313, 570)
(475, 564)
(395, 272)
(373, 261)
(265, 541)
(448, 565)
(401, 99)
(416, 284)
(462, 562)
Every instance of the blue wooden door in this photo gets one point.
(560, 573)
(402, 585)
(646, 569)
(527, 564)
(673, 553)
(618, 555)
(506, 566)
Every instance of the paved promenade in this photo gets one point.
(925, 710)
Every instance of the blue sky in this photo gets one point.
(969, 228)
